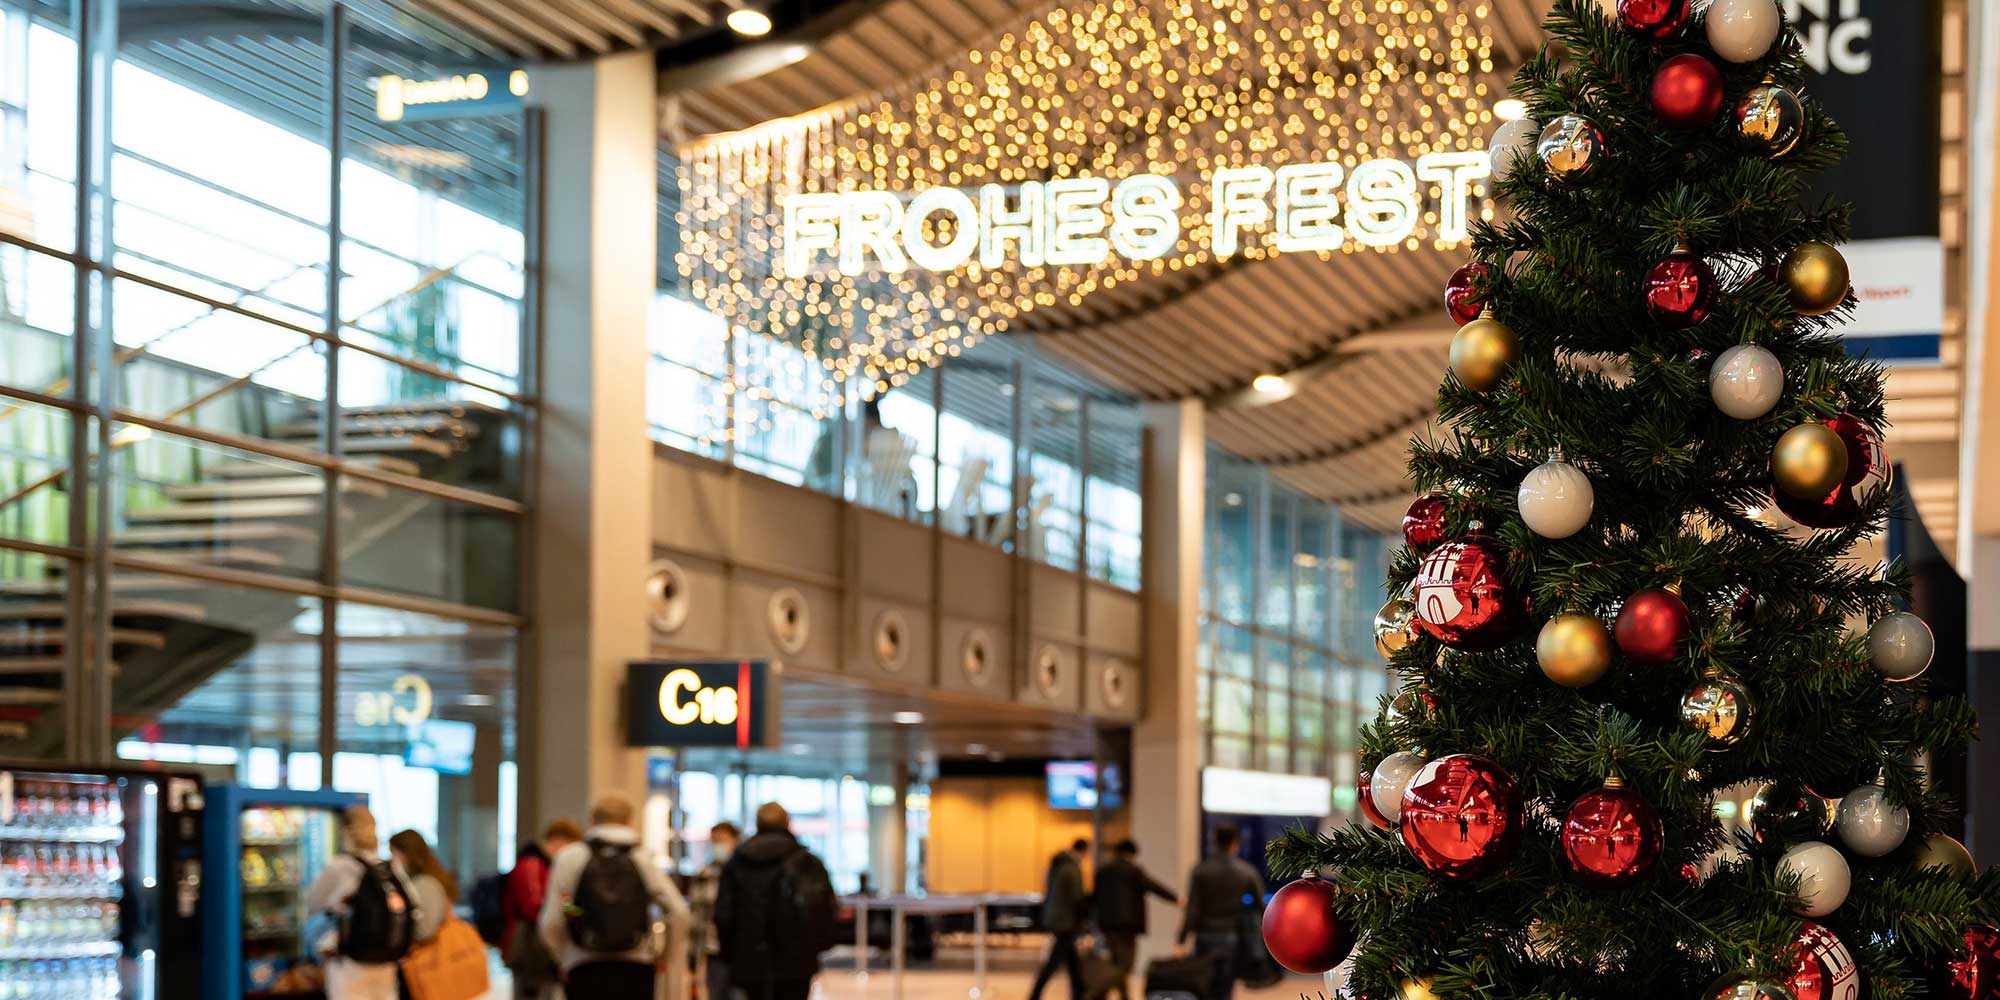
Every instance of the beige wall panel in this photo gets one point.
(760, 627)
(705, 628)
(891, 643)
(1113, 688)
(694, 506)
(953, 673)
(1054, 607)
(1053, 676)
(894, 557)
(1112, 620)
(974, 579)
(784, 528)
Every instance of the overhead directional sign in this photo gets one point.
(699, 703)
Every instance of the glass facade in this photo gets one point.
(263, 399)
(996, 443)
(1288, 667)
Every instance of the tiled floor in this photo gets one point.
(930, 984)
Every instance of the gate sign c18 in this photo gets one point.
(700, 703)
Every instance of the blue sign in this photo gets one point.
(455, 95)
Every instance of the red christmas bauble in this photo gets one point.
(1466, 293)
(1365, 785)
(1651, 625)
(1972, 974)
(1302, 930)
(1867, 468)
(1825, 969)
(1747, 608)
(1680, 290)
(1423, 523)
(1461, 816)
(1462, 595)
(1652, 18)
(1611, 837)
(1686, 92)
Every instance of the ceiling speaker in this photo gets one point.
(667, 596)
(892, 641)
(789, 619)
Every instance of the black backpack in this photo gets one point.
(377, 927)
(806, 902)
(610, 912)
(489, 908)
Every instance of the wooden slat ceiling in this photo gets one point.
(572, 29)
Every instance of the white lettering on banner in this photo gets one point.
(1084, 221)
(383, 708)
(1900, 285)
(714, 706)
(1833, 46)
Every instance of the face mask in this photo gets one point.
(723, 851)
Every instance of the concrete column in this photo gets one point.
(593, 488)
(889, 836)
(1166, 745)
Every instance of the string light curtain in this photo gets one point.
(1098, 89)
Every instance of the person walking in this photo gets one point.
(1064, 907)
(521, 944)
(774, 912)
(373, 909)
(1118, 906)
(705, 949)
(597, 915)
(431, 886)
(1223, 896)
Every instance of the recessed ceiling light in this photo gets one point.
(1270, 384)
(908, 718)
(745, 21)
(1510, 108)
(1232, 500)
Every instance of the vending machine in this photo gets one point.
(100, 883)
(264, 846)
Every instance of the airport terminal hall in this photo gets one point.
(999, 499)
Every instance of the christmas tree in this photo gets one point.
(1629, 591)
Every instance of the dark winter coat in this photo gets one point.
(1119, 898)
(1062, 895)
(751, 929)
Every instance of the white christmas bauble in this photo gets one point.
(1556, 499)
(1390, 778)
(1340, 980)
(1869, 824)
(1512, 139)
(1746, 381)
(1823, 877)
(1901, 645)
(1742, 31)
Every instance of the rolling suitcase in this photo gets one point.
(1179, 978)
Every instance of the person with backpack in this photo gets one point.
(373, 910)
(597, 916)
(774, 912)
(1064, 907)
(704, 953)
(520, 909)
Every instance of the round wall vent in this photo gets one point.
(975, 656)
(789, 619)
(666, 596)
(1048, 671)
(1116, 684)
(892, 641)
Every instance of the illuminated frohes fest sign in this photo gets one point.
(1084, 221)
(708, 703)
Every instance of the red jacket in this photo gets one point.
(526, 885)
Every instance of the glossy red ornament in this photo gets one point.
(1462, 817)
(1462, 595)
(1652, 18)
(1972, 974)
(1680, 290)
(1747, 608)
(1824, 968)
(1368, 809)
(1651, 625)
(1611, 837)
(1686, 92)
(1302, 930)
(1867, 468)
(1466, 293)
(1423, 523)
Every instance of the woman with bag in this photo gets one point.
(448, 961)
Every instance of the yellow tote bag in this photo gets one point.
(451, 966)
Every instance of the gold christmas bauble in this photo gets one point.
(1944, 853)
(1418, 988)
(1719, 706)
(1809, 461)
(1482, 351)
(1393, 628)
(1815, 275)
(1574, 649)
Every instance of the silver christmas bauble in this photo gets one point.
(1823, 877)
(1720, 707)
(1389, 780)
(1869, 824)
(1340, 980)
(1746, 988)
(1901, 646)
(1771, 120)
(1511, 142)
(1571, 147)
(1393, 629)
(1556, 499)
(1746, 381)
(1742, 31)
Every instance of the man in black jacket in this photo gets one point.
(1224, 895)
(774, 912)
(1063, 905)
(1119, 901)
